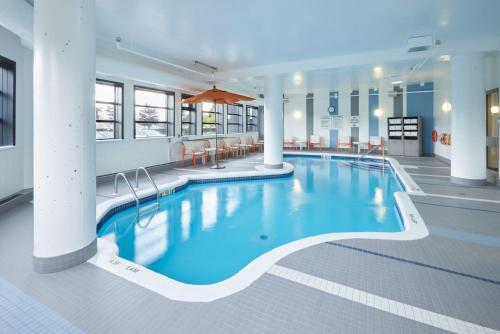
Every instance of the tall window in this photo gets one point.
(7, 102)
(212, 118)
(108, 110)
(235, 118)
(188, 118)
(154, 112)
(252, 119)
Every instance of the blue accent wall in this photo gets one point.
(334, 102)
(334, 133)
(372, 119)
(334, 136)
(420, 102)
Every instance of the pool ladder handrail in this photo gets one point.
(138, 169)
(117, 176)
(358, 160)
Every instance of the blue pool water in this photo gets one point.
(206, 233)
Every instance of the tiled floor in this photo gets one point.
(447, 281)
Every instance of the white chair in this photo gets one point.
(314, 141)
(344, 142)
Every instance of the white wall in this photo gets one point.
(129, 153)
(320, 107)
(16, 162)
(295, 117)
(442, 119)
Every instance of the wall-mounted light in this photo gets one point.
(446, 107)
(445, 58)
(494, 109)
(297, 79)
(377, 112)
(297, 114)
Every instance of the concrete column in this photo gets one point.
(273, 121)
(468, 120)
(64, 134)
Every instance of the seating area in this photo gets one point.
(203, 150)
(267, 167)
(344, 144)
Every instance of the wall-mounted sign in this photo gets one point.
(337, 122)
(326, 122)
(354, 121)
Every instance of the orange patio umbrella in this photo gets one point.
(217, 96)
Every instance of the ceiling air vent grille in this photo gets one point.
(419, 43)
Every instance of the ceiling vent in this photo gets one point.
(419, 43)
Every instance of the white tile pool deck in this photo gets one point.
(449, 281)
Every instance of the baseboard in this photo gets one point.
(152, 169)
(16, 199)
(443, 159)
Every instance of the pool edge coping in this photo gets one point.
(107, 258)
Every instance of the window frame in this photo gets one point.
(255, 116)
(240, 116)
(4, 62)
(167, 122)
(219, 119)
(122, 86)
(190, 110)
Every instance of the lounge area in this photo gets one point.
(249, 167)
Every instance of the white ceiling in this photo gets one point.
(328, 43)
(237, 34)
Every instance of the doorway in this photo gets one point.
(492, 116)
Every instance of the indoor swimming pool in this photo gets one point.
(207, 233)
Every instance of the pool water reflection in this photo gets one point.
(207, 233)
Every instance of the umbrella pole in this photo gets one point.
(216, 166)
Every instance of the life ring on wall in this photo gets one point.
(434, 136)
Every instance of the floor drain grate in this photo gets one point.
(263, 237)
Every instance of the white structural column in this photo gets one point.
(273, 121)
(468, 119)
(64, 134)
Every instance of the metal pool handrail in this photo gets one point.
(117, 176)
(150, 179)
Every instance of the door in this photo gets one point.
(492, 116)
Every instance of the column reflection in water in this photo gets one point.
(233, 199)
(186, 219)
(209, 208)
(380, 209)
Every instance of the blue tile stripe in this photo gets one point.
(20, 313)
(421, 264)
(151, 198)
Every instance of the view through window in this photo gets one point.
(109, 110)
(154, 113)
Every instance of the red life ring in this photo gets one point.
(434, 135)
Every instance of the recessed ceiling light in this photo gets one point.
(494, 110)
(377, 70)
(378, 112)
(297, 79)
(445, 58)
